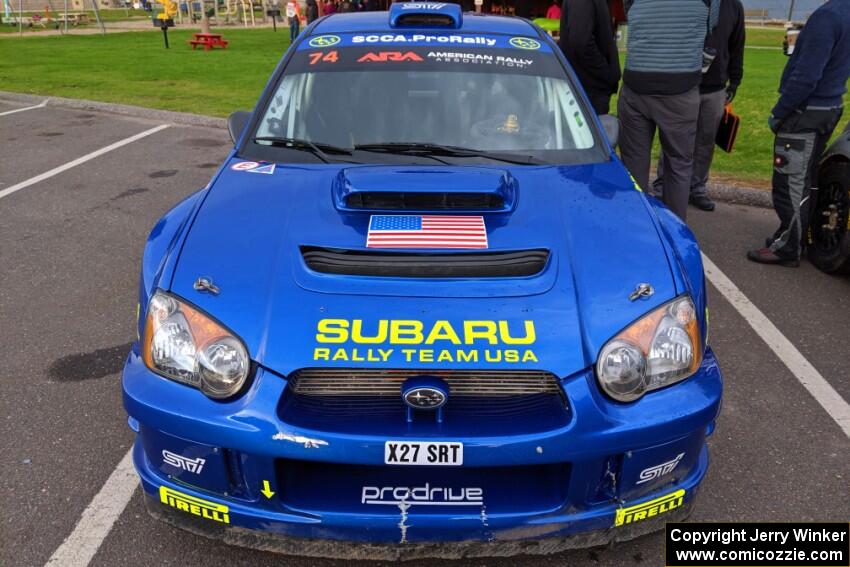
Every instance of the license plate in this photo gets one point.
(423, 453)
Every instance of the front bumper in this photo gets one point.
(353, 551)
(612, 473)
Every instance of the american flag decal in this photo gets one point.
(426, 231)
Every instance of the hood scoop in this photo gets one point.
(509, 264)
(422, 188)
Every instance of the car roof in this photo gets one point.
(380, 22)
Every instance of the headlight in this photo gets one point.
(659, 349)
(186, 345)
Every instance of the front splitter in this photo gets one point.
(336, 549)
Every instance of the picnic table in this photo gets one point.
(208, 41)
(74, 18)
(13, 20)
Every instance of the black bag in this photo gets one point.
(728, 130)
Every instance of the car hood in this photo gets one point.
(603, 240)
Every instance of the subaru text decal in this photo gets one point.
(413, 341)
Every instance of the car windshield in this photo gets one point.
(450, 98)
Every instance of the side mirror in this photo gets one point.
(236, 123)
(611, 124)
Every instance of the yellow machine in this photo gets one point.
(169, 10)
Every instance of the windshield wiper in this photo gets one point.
(428, 149)
(318, 149)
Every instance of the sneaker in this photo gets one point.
(765, 256)
(702, 202)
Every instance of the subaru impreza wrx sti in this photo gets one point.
(421, 310)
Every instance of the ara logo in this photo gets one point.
(184, 463)
(384, 56)
(657, 471)
(426, 495)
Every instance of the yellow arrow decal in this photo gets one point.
(267, 490)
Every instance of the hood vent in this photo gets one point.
(514, 264)
(424, 201)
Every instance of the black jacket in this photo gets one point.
(728, 39)
(817, 72)
(522, 8)
(587, 41)
(312, 11)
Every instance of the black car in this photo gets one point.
(829, 228)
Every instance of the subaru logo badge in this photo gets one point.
(424, 393)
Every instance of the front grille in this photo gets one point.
(434, 201)
(381, 382)
(369, 402)
(522, 263)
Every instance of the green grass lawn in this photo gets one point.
(765, 37)
(134, 68)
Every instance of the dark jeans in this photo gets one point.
(799, 143)
(294, 28)
(675, 116)
(711, 107)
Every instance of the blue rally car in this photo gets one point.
(421, 310)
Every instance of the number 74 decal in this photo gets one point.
(329, 57)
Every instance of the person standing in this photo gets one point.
(293, 14)
(809, 107)
(312, 11)
(522, 9)
(554, 11)
(588, 43)
(717, 89)
(663, 70)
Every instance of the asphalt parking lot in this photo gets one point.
(70, 247)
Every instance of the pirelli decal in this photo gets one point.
(196, 506)
(409, 340)
(654, 507)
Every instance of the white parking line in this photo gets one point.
(812, 380)
(98, 518)
(42, 105)
(57, 170)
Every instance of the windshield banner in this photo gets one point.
(426, 58)
(400, 40)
